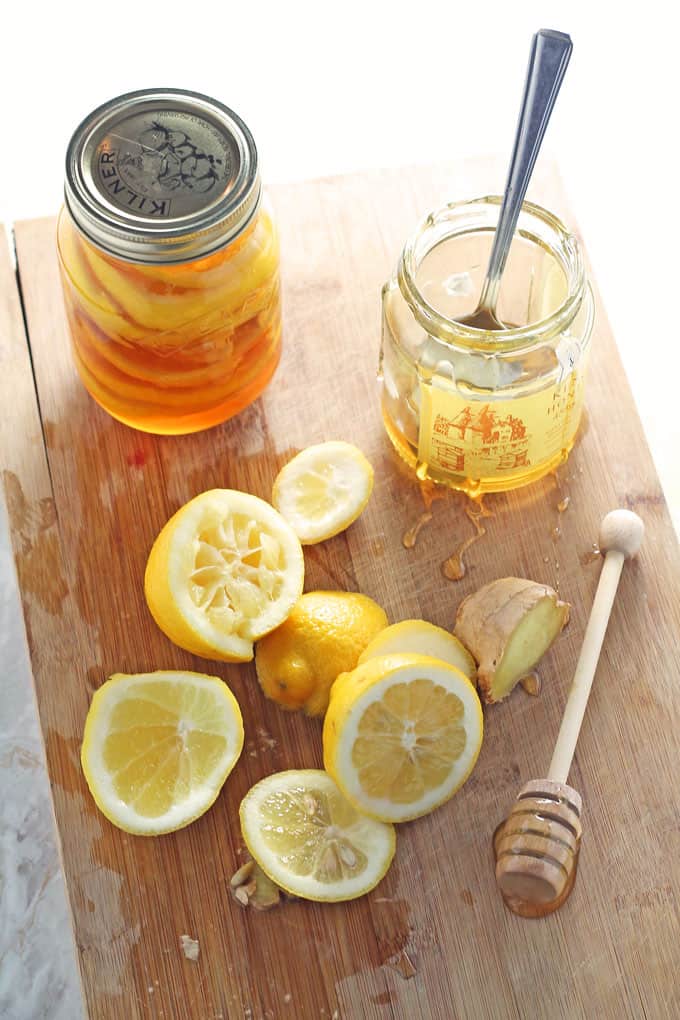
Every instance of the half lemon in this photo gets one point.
(401, 735)
(225, 570)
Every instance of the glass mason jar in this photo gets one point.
(169, 261)
(485, 411)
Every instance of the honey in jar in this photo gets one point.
(169, 262)
(478, 410)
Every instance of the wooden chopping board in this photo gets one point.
(86, 497)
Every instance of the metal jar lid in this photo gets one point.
(162, 175)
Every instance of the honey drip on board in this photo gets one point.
(411, 536)
(562, 505)
(454, 568)
(430, 492)
(592, 555)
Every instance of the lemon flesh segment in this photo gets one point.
(421, 638)
(401, 735)
(158, 747)
(323, 489)
(310, 840)
(225, 570)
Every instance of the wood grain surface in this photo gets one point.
(86, 498)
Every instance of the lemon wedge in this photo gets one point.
(423, 638)
(310, 841)
(225, 570)
(323, 489)
(158, 747)
(401, 735)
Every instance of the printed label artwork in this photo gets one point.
(158, 165)
(168, 159)
(491, 439)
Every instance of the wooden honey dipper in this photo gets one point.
(537, 846)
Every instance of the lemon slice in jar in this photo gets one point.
(225, 570)
(401, 735)
(158, 747)
(323, 489)
(309, 839)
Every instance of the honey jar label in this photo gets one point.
(484, 439)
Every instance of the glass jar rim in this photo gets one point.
(453, 332)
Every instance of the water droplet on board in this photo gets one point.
(403, 964)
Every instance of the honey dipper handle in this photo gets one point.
(620, 536)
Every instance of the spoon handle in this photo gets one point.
(548, 60)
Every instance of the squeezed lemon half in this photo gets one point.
(310, 840)
(158, 747)
(401, 735)
(225, 570)
(323, 489)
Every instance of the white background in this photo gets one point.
(327, 88)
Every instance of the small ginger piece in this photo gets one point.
(252, 888)
(508, 625)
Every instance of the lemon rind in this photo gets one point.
(421, 630)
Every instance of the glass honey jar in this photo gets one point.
(169, 261)
(485, 411)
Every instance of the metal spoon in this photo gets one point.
(548, 60)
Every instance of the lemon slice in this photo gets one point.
(224, 571)
(158, 747)
(422, 638)
(401, 735)
(323, 489)
(310, 841)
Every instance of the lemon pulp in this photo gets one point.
(310, 840)
(158, 747)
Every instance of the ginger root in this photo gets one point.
(508, 625)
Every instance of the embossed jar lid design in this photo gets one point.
(162, 175)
